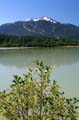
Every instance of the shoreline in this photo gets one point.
(2, 48)
(69, 46)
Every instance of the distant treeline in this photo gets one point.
(31, 41)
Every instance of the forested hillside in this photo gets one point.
(31, 41)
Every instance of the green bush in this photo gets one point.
(36, 97)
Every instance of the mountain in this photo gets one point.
(43, 26)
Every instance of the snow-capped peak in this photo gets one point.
(45, 18)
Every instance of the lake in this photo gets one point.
(65, 59)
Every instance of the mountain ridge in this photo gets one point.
(43, 26)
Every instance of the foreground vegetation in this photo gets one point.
(30, 41)
(36, 97)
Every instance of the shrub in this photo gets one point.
(35, 97)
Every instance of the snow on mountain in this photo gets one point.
(43, 18)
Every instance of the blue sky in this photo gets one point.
(61, 10)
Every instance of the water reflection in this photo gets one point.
(21, 58)
(15, 61)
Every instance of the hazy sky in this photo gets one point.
(61, 10)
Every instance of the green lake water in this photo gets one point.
(66, 62)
